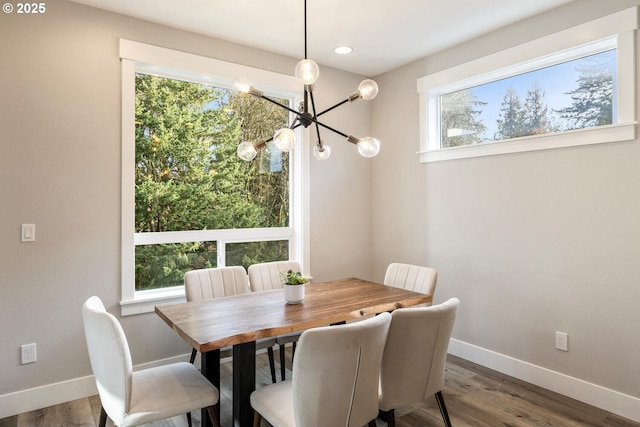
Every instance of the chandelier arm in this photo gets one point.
(318, 133)
(334, 107)
(286, 107)
(332, 129)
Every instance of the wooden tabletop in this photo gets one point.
(220, 322)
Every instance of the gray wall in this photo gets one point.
(531, 243)
(60, 169)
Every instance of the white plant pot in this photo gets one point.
(293, 294)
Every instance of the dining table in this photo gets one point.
(240, 320)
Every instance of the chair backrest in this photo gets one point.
(415, 353)
(110, 358)
(336, 371)
(411, 277)
(266, 275)
(208, 283)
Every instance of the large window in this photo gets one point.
(188, 200)
(570, 88)
(189, 178)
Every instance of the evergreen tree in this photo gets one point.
(536, 114)
(592, 100)
(460, 119)
(511, 119)
(267, 183)
(188, 176)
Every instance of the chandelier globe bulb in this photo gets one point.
(247, 151)
(307, 71)
(284, 139)
(321, 151)
(368, 89)
(368, 147)
(241, 85)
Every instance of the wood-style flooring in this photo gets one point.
(474, 395)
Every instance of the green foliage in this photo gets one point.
(245, 254)
(591, 101)
(188, 176)
(511, 119)
(518, 119)
(291, 277)
(460, 111)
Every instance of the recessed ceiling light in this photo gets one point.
(343, 50)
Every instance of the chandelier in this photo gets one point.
(284, 139)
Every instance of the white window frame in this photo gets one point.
(615, 30)
(140, 57)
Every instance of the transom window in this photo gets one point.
(576, 94)
(581, 80)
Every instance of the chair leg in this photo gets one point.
(257, 419)
(213, 416)
(193, 356)
(282, 366)
(372, 423)
(443, 409)
(189, 419)
(103, 418)
(272, 364)
(293, 351)
(390, 416)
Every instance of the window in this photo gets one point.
(571, 88)
(188, 201)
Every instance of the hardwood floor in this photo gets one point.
(474, 395)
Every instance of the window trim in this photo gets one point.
(591, 36)
(140, 57)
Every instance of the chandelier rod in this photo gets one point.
(313, 108)
(305, 29)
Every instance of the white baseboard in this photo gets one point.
(65, 391)
(592, 394)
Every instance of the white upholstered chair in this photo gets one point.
(412, 278)
(134, 398)
(217, 282)
(414, 357)
(264, 276)
(335, 378)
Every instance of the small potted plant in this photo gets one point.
(293, 282)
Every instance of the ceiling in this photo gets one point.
(384, 34)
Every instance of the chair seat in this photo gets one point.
(153, 400)
(275, 403)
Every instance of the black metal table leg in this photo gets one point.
(210, 368)
(244, 383)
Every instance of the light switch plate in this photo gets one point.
(28, 233)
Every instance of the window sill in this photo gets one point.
(599, 135)
(146, 301)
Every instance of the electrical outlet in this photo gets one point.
(562, 341)
(28, 352)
